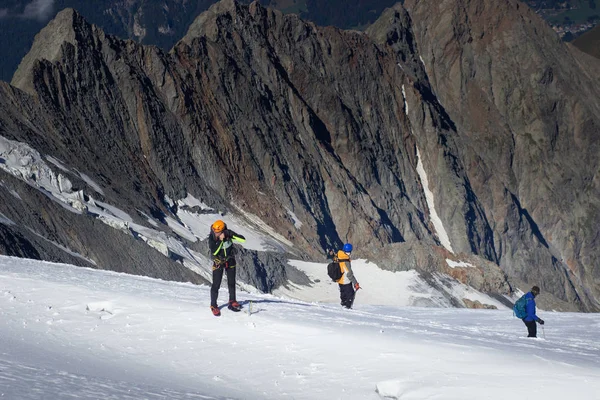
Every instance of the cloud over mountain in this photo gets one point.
(39, 10)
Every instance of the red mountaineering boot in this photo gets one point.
(234, 306)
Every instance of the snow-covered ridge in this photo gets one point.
(27, 164)
(404, 97)
(458, 264)
(264, 227)
(297, 222)
(381, 287)
(191, 201)
(189, 226)
(435, 219)
(5, 220)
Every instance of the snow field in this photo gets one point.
(70, 332)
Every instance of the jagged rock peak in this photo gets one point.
(67, 27)
(393, 28)
(390, 17)
(479, 17)
(214, 21)
(206, 23)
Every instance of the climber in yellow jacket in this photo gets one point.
(348, 284)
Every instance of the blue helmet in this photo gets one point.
(347, 248)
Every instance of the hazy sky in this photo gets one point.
(40, 10)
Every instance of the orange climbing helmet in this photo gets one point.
(218, 226)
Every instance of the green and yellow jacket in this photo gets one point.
(223, 251)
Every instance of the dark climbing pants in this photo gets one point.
(347, 295)
(531, 328)
(217, 276)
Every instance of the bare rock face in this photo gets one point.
(461, 130)
(478, 305)
(525, 107)
(35, 227)
(48, 46)
(470, 270)
(318, 147)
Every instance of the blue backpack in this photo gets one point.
(520, 307)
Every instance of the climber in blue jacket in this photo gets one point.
(531, 317)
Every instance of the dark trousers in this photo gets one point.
(217, 276)
(531, 328)
(347, 295)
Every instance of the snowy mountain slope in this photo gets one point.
(381, 287)
(72, 332)
(253, 112)
(191, 223)
(173, 238)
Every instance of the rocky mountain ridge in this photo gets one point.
(427, 134)
(163, 23)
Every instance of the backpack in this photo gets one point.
(520, 307)
(334, 271)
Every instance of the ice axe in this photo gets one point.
(354, 297)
